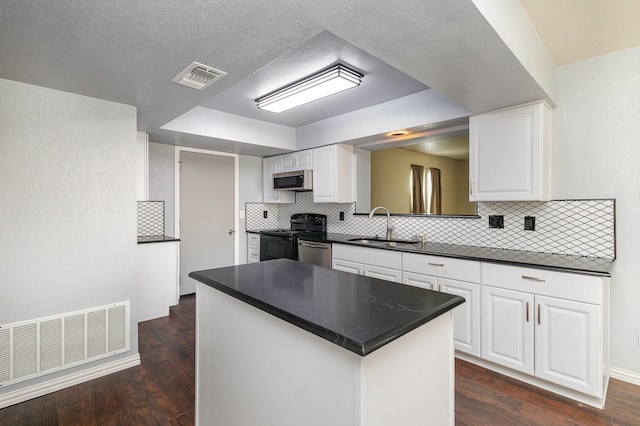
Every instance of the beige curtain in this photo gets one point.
(435, 204)
(417, 189)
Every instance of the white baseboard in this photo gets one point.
(625, 375)
(30, 392)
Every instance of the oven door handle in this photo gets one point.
(311, 245)
(274, 238)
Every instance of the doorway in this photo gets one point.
(206, 194)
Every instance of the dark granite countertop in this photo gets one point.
(556, 262)
(156, 239)
(356, 312)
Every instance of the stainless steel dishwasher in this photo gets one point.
(314, 253)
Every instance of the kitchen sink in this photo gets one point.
(383, 242)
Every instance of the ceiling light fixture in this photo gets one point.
(325, 83)
(397, 133)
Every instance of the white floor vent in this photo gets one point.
(41, 346)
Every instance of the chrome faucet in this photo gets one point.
(389, 229)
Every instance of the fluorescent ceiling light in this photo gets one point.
(325, 83)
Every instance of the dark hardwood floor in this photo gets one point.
(161, 391)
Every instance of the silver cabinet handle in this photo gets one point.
(538, 314)
(540, 280)
(527, 311)
(319, 246)
(436, 264)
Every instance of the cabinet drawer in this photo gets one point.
(581, 288)
(445, 267)
(253, 239)
(378, 257)
(254, 255)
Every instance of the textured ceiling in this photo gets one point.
(128, 52)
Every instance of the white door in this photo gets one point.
(568, 344)
(206, 214)
(507, 328)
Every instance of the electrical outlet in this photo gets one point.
(341, 215)
(529, 223)
(496, 221)
(265, 214)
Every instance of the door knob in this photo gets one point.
(231, 232)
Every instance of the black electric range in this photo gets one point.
(279, 243)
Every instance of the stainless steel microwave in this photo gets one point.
(299, 180)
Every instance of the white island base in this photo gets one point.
(253, 368)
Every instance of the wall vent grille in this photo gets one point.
(198, 76)
(41, 346)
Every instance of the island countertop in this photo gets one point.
(356, 312)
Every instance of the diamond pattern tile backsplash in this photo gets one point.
(150, 218)
(570, 227)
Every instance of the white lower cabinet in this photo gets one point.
(544, 327)
(388, 274)
(347, 266)
(157, 279)
(507, 328)
(466, 317)
(420, 280)
(253, 247)
(568, 344)
(533, 327)
(375, 263)
(451, 276)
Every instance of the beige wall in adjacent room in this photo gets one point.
(390, 180)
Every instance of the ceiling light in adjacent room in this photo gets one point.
(325, 83)
(397, 133)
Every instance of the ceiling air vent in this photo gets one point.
(198, 76)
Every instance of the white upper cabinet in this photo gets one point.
(509, 154)
(271, 165)
(333, 177)
(301, 160)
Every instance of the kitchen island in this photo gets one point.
(286, 343)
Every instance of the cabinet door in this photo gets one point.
(507, 328)
(347, 266)
(382, 273)
(270, 166)
(420, 280)
(287, 162)
(509, 154)
(304, 160)
(466, 317)
(569, 344)
(333, 174)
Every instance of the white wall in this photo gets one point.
(67, 206)
(162, 182)
(596, 151)
(250, 191)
